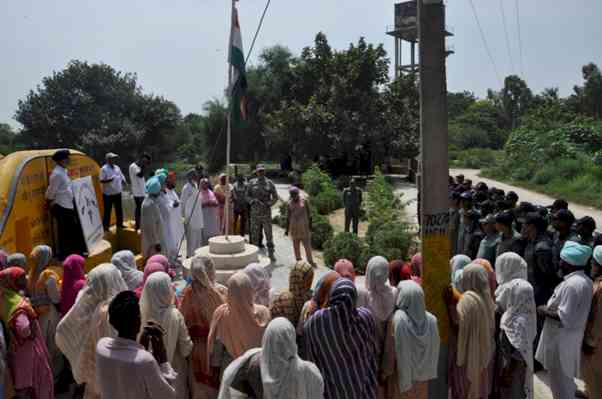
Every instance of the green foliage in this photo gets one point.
(94, 108)
(321, 232)
(334, 102)
(382, 205)
(348, 246)
(391, 240)
(324, 196)
(8, 139)
(474, 158)
(314, 180)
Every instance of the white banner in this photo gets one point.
(87, 211)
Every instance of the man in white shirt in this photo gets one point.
(62, 207)
(137, 184)
(192, 211)
(112, 181)
(566, 316)
(126, 369)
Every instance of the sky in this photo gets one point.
(177, 48)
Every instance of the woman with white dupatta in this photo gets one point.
(79, 331)
(411, 347)
(518, 330)
(274, 371)
(157, 304)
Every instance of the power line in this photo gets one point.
(520, 40)
(474, 11)
(265, 10)
(506, 34)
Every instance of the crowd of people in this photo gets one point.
(525, 293)
(122, 333)
(536, 274)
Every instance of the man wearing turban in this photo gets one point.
(566, 314)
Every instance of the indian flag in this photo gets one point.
(239, 77)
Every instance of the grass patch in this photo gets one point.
(577, 180)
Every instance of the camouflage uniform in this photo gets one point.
(262, 195)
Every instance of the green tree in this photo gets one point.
(8, 139)
(516, 98)
(458, 103)
(94, 108)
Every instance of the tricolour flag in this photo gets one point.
(238, 94)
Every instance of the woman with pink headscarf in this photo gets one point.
(74, 279)
(152, 266)
(346, 270)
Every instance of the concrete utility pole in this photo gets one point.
(435, 171)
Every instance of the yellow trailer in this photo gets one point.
(25, 220)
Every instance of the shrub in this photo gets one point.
(381, 203)
(391, 240)
(321, 232)
(327, 201)
(348, 246)
(280, 219)
(314, 180)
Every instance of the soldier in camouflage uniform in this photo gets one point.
(262, 195)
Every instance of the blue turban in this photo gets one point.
(598, 254)
(575, 254)
(153, 185)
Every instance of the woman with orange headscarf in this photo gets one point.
(27, 354)
(237, 325)
(201, 299)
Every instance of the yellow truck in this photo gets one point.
(25, 220)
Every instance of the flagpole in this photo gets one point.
(229, 133)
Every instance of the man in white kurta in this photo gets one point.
(152, 227)
(174, 219)
(566, 313)
(192, 212)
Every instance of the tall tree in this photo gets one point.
(516, 98)
(94, 108)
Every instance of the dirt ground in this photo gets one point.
(337, 221)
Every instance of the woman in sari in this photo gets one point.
(412, 346)
(237, 325)
(341, 341)
(157, 304)
(79, 331)
(381, 300)
(125, 261)
(200, 300)
(74, 279)
(275, 370)
(45, 292)
(260, 281)
(27, 353)
(209, 204)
